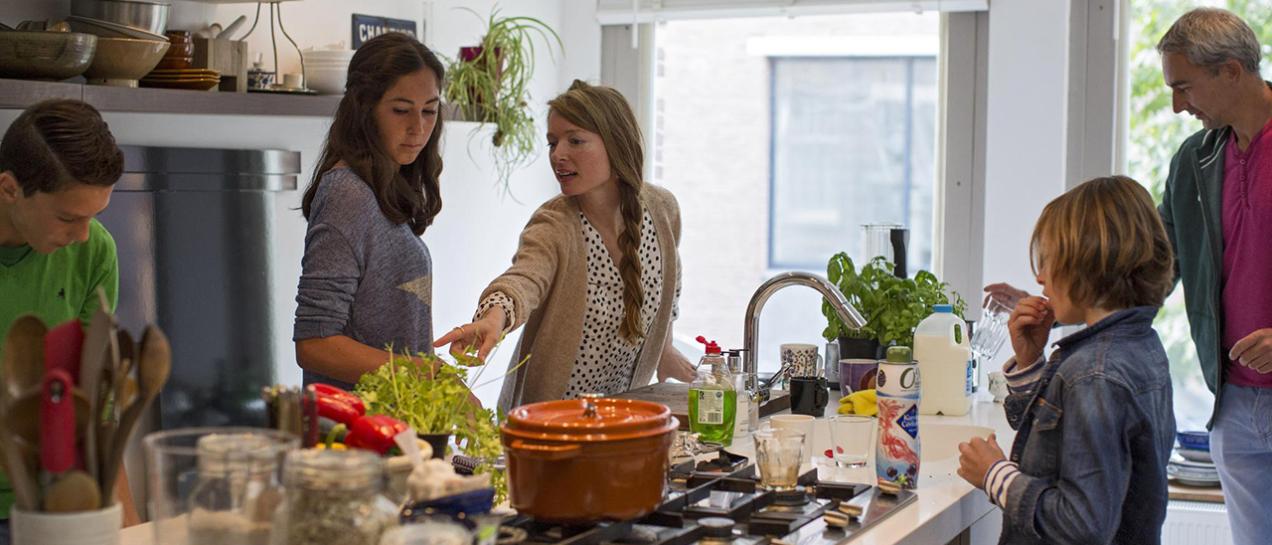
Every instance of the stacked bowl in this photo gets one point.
(1193, 466)
(130, 37)
(325, 69)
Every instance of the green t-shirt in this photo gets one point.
(55, 287)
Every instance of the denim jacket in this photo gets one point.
(1093, 437)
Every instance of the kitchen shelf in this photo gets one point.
(18, 94)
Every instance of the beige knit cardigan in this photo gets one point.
(547, 283)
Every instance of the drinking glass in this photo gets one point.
(852, 439)
(778, 453)
(991, 332)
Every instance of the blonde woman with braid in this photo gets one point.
(596, 277)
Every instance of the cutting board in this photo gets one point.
(1176, 491)
(675, 395)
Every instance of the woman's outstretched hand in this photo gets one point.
(481, 335)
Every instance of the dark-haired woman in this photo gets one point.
(366, 280)
(596, 277)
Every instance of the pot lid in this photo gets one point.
(590, 418)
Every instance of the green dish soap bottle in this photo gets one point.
(713, 401)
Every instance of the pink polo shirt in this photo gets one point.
(1247, 248)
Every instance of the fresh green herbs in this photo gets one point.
(433, 397)
(892, 306)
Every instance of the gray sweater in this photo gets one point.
(362, 275)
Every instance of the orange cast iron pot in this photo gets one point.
(584, 460)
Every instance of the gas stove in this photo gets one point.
(724, 505)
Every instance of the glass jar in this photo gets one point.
(333, 497)
(212, 486)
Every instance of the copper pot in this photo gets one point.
(582, 460)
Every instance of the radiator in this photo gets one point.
(1190, 523)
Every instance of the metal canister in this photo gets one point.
(897, 452)
(832, 364)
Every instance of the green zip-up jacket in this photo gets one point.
(1191, 209)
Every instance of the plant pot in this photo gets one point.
(438, 441)
(480, 108)
(583, 460)
(865, 349)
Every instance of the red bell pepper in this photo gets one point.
(337, 404)
(374, 432)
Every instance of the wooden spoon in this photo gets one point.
(73, 491)
(23, 370)
(101, 351)
(153, 367)
(24, 355)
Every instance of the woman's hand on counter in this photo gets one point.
(1029, 327)
(482, 335)
(976, 457)
(675, 365)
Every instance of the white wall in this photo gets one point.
(474, 237)
(1025, 133)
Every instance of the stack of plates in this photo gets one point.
(1193, 472)
(200, 79)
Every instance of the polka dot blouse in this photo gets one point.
(606, 361)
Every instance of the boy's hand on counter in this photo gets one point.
(1030, 326)
(976, 457)
(1254, 351)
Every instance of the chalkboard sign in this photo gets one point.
(366, 27)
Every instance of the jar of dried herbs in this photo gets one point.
(334, 497)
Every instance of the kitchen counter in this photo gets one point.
(946, 506)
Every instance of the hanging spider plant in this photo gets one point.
(490, 83)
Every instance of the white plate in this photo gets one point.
(1201, 456)
(1198, 484)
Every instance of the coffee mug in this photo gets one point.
(857, 374)
(800, 360)
(809, 395)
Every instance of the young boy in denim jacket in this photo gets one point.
(1094, 423)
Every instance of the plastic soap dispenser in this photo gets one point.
(713, 398)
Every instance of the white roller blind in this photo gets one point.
(621, 12)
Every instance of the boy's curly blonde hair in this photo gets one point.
(1104, 244)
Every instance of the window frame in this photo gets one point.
(627, 64)
(909, 67)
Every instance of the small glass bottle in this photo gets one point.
(713, 398)
(333, 498)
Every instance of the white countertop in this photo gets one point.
(945, 505)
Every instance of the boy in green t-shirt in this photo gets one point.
(58, 165)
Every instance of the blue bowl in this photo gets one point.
(458, 507)
(1194, 440)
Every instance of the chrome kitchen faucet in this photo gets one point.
(846, 312)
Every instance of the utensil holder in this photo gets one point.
(99, 527)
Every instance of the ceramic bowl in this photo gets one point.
(45, 55)
(148, 15)
(1195, 455)
(123, 61)
(1194, 440)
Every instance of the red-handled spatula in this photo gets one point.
(65, 488)
(62, 347)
